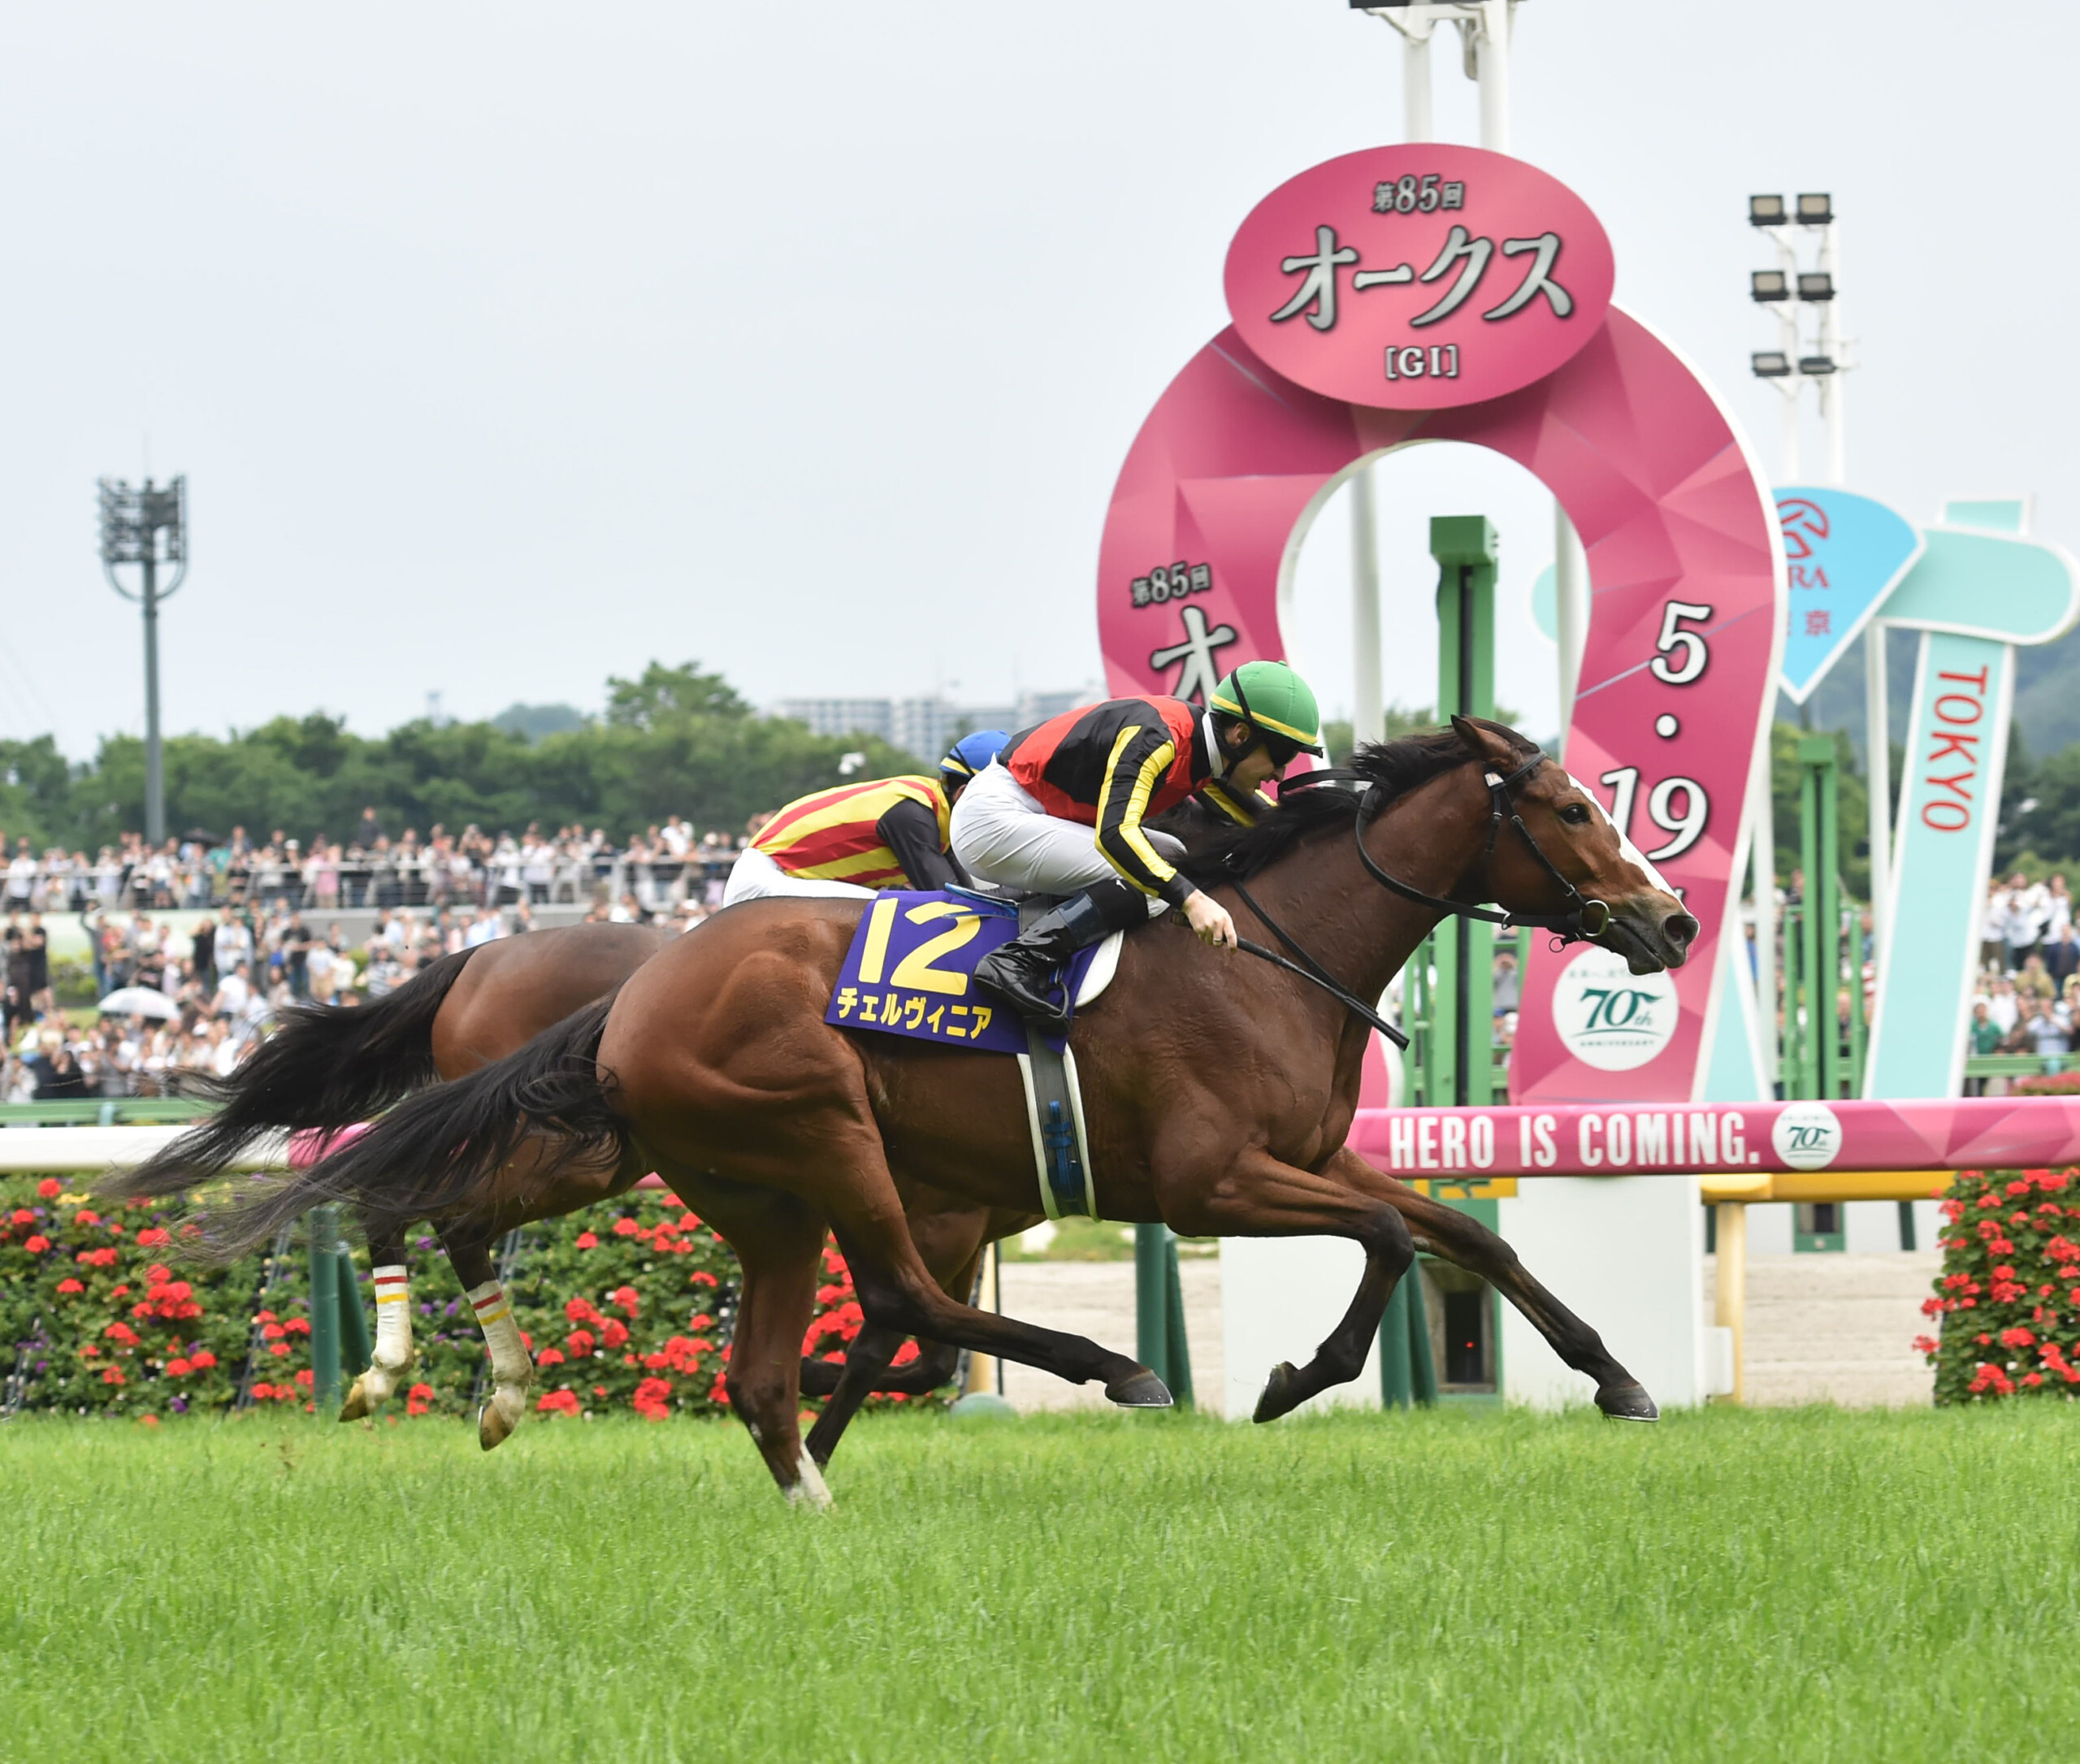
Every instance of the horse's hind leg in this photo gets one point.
(394, 1352)
(1447, 1233)
(868, 1359)
(467, 1241)
(778, 1242)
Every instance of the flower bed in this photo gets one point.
(2008, 1298)
(627, 1306)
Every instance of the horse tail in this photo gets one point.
(436, 1152)
(326, 1067)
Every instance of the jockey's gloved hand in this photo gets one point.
(1210, 919)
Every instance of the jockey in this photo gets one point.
(849, 842)
(1061, 813)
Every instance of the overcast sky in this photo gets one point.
(507, 347)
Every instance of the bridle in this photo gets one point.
(1581, 920)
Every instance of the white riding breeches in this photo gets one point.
(1002, 833)
(755, 876)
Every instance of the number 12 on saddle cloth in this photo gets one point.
(911, 971)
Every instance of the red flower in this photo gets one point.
(36, 1245)
(68, 1285)
(2016, 1338)
(626, 1227)
(280, 1350)
(578, 1311)
(264, 1392)
(2033, 1378)
(87, 1218)
(652, 1398)
(113, 1374)
(418, 1400)
(121, 1332)
(549, 1356)
(274, 1331)
(178, 1368)
(154, 1234)
(558, 1402)
(201, 1359)
(305, 1378)
(50, 1188)
(22, 1216)
(1926, 1344)
(158, 1271)
(586, 1240)
(625, 1299)
(613, 1331)
(700, 1277)
(580, 1342)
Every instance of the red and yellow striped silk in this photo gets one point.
(831, 836)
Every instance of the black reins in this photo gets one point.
(1582, 921)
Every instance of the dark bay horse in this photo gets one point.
(330, 1067)
(1218, 1091)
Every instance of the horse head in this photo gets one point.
(1647, 924)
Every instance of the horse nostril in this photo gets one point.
(1680, 929)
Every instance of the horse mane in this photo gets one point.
(1226, 852)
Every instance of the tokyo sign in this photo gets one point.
(1417, 277)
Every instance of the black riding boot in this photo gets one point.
(1025, 973)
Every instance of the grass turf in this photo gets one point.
(1806, 1584)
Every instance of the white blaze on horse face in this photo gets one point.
(511, 1369)
(1633, 852)
(393, 1358)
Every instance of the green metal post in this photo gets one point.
(1397, 1389)
(1464, 547)
(1178, 1374)
(325, 1309)
(356, 1350)
(1152, 1300)
(1424, 1367)
(1820, 850)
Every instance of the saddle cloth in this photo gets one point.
(911, 971)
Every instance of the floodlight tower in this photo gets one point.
(1790, 289)
(131, 521)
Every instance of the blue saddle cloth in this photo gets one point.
(911, 971)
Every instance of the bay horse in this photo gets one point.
(1217, 1092)
(328, 1069)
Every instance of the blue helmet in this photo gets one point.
(972, 754)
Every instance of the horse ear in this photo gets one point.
(1482, 741)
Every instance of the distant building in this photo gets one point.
(927, 726)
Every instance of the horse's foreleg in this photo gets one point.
(393, 1355)
(1262, 1197)
(468, 1245)
(1452, 1236)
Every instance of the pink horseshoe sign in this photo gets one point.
(1507, 269)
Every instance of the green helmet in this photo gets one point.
(1274, 700)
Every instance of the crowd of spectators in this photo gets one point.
(2029, 996)
(210, 940)
(199, 868)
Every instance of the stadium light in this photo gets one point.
(133, 521)
(1766, 285)
(1815, 285)
(1818, 366)
(1816, 210)
(1770, 364)
(1765, 211)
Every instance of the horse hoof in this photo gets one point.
(1627, 1402)
(1142, 1390)
(1281, 1393)
(357, 1407)
(494, 1427)
(809, 1488)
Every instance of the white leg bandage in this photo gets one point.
(511, 1370)
(393, 1333)
(809, 1489)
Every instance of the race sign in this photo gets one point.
(1420, 276)
(1843, 554)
